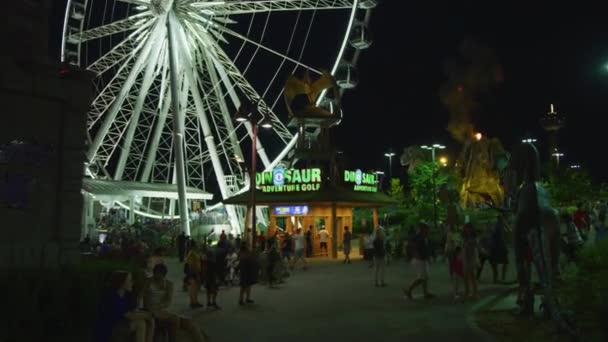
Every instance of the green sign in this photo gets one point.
(364, 182)
(289, 180)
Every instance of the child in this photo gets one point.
(232, 262)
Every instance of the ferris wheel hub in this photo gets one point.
(160, 7)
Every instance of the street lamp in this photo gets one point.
(575, 166)
(249, 113)
(433, 148)
(390, 156)
(558, 155)
(379, 175)
(528, 141)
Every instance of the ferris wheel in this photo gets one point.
(143, 126)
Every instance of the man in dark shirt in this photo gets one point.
(308, 237)
(181, 246)
(420, 260)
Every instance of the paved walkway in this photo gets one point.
(339, 302)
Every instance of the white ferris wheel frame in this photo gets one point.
(139, 46)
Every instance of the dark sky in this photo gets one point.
(548, 55)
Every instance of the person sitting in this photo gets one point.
(118, 315)
(155, 259)
(158, 295)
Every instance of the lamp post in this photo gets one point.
(558, 155)
(248, 113)
(390, 156)
(528, 141)
(379, 175)
(433, 148)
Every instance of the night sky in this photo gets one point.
(547, 54)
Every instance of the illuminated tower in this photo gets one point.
(552, 122)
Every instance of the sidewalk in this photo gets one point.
(339, 302)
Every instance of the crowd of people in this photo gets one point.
(273, 257)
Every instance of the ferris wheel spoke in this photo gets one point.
(264, 47)
(144, 19)
(137, 2)
(116, 105)
(147, 81)
(220, 57)
(164, 105)
(248, 7)
(129, 46)
(107, 96)
(211, 86)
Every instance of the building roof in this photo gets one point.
(326, 196)
(112, 188)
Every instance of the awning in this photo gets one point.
(127, 189)
(341, 197)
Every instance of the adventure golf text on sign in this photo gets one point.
(364, 182)
(288, 180)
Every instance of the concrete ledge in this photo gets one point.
(481, 306)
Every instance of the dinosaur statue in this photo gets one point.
(479, 165)
(411, 157)
(301, 95)
(536, 224)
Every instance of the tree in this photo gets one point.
(569, 186)
(397, 191)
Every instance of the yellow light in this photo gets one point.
(443, 161)
(478, 136)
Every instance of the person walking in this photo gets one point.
(248, 272)
(299, 245)
(346, 245)
(308, 238)
(324, 239)
(420, 260)
(181, 246)
(470, 253)
(193, 270)
(499, 254)
(453, 250)
(379, 254)
(273, 258)
(287, 247)
(211, 276)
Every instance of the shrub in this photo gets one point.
(585, 289)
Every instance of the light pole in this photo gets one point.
(433, 148)
(390, 156)
(250, 113)
(379, 175)
(558, 155)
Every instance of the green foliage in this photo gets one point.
(396, 191)
(362, 221)
(585, 289)
(567, 186)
